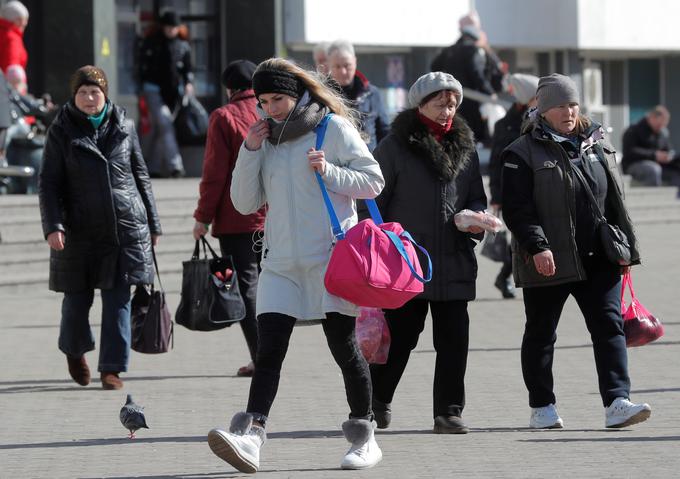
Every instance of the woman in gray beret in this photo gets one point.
(552, 177)
(431, 172)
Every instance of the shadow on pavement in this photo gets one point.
(47, 385)
(573, 346)
(104, 442)
(608, 439)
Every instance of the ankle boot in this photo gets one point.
(241, 446)
(382, 412)
(364, 452)
(79, 370)
(110, 380)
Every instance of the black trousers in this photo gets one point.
(247, 264)
(450, 334)
(599, 298)
(275, 330)
(506, 269)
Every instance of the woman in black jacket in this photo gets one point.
(557, 251)
(431, 172)
(100, 220)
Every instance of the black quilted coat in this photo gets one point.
(94, 186)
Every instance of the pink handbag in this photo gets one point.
(374, 264)
(640, 326)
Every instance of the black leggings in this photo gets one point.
(274, 330)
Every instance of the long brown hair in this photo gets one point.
(318, 86)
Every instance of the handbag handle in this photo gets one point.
(396, 241)
(197, 252)
(320, 131)
(205, 243)
(158, 272)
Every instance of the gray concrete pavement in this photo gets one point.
(52, 428)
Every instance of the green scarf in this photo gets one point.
(96, 120)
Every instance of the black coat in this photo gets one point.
(506, 130)
(5, 118)
(166, 62)
(94, 186)
(426, 184)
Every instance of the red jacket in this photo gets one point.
(227, 130)
(12, 50)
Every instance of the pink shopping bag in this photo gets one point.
(640, 326)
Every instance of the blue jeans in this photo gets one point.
(75, 335)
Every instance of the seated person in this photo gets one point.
(647, 152)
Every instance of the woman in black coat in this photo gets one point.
(431, 172)
(100, 221)
(552, 177)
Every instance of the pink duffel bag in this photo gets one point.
(374, 264)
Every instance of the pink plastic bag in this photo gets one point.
(640, 326)
(373, 335)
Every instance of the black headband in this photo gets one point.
(277, 81)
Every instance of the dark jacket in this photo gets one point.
(426, 184)
(94, 186)
(5, 106)
(374, 124)
(228, 128)
(641, 143)
(468, 63)
(506, 130)
(165, 62)
(541, 197)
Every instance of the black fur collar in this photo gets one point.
(447, 158)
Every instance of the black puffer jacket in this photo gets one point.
(426, 183)
(94, 186)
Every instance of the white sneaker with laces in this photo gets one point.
(623, 413)
(241, 451)
(364, 452)
(545, 417)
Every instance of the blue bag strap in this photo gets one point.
(320, 131)
(396, 240)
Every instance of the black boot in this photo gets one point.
(505, 286)
(382, 413)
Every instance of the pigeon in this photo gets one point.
(132, 416)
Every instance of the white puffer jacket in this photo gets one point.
(298, 237)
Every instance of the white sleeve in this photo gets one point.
(247, 190)
(353, 172)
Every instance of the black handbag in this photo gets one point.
(191, 122)
(495, 246)
(614, 242)
(210, 294)
(151, 321)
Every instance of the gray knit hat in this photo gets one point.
(523, 87)
(432, 82)
(555, 90)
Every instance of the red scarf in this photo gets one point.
(435, 129)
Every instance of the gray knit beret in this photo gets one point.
(432, 82)
(555, 90)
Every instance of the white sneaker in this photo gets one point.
(364, 452)
(545, 417)
(623, 413)
(241, 451)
